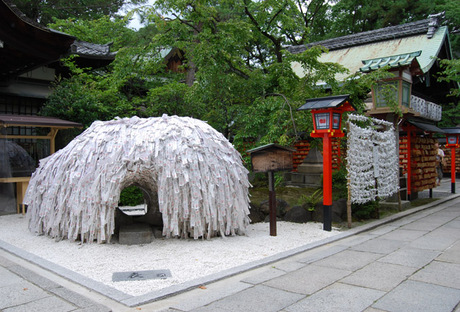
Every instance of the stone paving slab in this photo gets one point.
(203, 296)
(404, 235)
(321, 253)
(379, 245)
(337, 297)
(421, 225)
(258, 298)
(373, 310)
(381, 230)
(454, 224)
(48, 304)
(8, 278)
(308, 280)
(73, 297)
(24, 290)
(349, 260)
(411, 257)
(6, 263)
(356, 240)
(417, 296)
(451, 254)
(433, 241)
(380, 276)
(288, 266)
(33, 277)
(264, 275)
(440, 273)
(20, 293)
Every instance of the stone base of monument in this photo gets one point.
(309, 172)
(135, 234)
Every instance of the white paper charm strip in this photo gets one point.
(199, 177)
(372, 160)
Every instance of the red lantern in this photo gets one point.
(452, 140)
(327, 121)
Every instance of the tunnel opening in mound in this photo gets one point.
(142, 212)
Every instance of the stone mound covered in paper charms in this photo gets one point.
(196, 174)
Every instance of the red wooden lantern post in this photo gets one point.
(452, 141)
(327, 120)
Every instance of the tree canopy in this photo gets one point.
(46, 11)
(236, 73)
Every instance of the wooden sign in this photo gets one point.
(271, 157)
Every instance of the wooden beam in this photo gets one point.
(52, 135)
(17, 136)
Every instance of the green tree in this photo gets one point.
(237, 73)
(353, 16)
(44, 12)
(451, 112)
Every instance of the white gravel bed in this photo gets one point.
(186, 259)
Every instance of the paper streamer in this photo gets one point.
(373, 167)
(199, 177)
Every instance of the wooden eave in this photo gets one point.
(25, 44)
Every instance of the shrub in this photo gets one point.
(131, 196)
(365, 211)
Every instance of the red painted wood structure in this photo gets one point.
(452, 142)
(327, 121)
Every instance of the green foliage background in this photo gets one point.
(237, 72)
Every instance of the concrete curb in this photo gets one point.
(133, 301)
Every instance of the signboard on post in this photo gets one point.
(270, 158)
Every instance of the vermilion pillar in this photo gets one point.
(452, 170)
(327, 183)
(452, 142)
(409, 160)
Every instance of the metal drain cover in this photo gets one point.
(140, 275)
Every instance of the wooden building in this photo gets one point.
(411, 52)
(30, 61)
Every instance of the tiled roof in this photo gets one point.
(325, 102)
(427, 26)
(391, 61)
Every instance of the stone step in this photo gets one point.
(135, 234)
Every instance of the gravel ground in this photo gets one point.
(186, 259)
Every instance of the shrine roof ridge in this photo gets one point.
(427, 26)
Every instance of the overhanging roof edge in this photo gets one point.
(433, 58)
(36, 121)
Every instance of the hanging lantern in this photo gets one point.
(452, 140)
(327, 114)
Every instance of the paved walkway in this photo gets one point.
(408, 263)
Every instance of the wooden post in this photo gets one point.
(396, 127)
(349, 220)
(272, 202)
(52, 138)
(409, 159)
(270, 158)
(349, 206)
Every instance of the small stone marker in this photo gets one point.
(140, 275)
